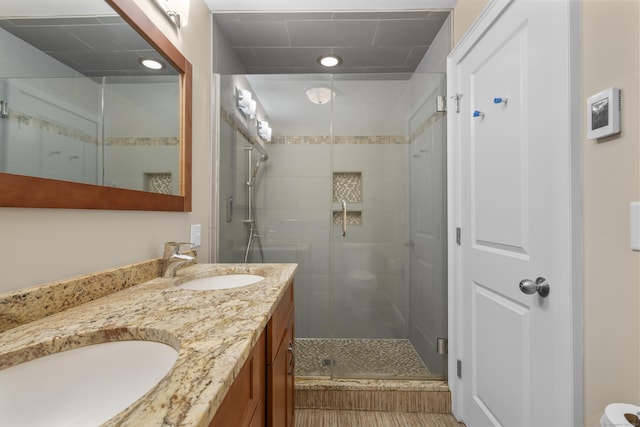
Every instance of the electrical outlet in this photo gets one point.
(196, 236)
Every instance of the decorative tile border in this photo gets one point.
(158, 141)
(301, 140)
(79, 135)
(427, 124)
(343, 140)
(233, 122)
(47, 126)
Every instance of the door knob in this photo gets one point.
(541, 286)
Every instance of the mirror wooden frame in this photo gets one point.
(31, 192)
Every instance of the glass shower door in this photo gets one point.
(428, 227)
(370, 286)
(348, 161)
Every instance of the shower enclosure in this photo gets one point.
(354, 191)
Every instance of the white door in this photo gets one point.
(513, 203)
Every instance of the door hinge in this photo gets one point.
(458, 235)
(442, 346)
(441, 104)
(457, 97)
(459, 368)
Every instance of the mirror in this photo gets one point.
(88, 127)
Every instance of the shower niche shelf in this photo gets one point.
(158, 182)
(347, 186)
(353, 217)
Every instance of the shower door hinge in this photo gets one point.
(458, 235)
(442, 346)
(459, 368)
(457, 97)
(441, 104)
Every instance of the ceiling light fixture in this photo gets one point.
(152, 64)
(320, 95)
(329, 60)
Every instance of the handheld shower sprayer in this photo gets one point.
(261, 159)
(253, 228)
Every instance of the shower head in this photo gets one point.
(261, 159)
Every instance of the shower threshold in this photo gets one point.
(359, 358)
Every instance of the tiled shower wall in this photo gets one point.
(296, 193)
(47, 136)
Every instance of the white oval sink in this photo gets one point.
(84, 386)
(224, 281)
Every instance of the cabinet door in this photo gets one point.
(280, 380)
(243, 406)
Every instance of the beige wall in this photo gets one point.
(611, 179)
(464, 14)
(41, 245)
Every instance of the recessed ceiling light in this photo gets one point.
(151, 64)
(330, 60)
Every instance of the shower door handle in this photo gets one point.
(344, 218)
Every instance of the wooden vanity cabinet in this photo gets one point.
(244, 404)
(262, 394)
(281, 363)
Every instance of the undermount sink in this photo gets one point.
(223, 281)
(84, 386)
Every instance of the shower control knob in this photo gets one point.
(529, 287)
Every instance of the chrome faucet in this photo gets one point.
(173, 259)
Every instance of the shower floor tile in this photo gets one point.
(359, 358)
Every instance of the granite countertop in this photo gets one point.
(213, 331)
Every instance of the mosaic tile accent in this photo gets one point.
(347, 186)
(79, 135)
(388, 140)
(231, 120)
(353, 217)
(159, 183)
(356, 358)
(427, 124)
(301, 140)
(308, 140)
(157, 141)
(48, 126)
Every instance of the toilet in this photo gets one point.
(361, 283)
(620, 414)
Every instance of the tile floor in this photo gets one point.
(356, 358)
(336, 418)
(363, 358)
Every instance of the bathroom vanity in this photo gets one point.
(235, 362)
(267, 377)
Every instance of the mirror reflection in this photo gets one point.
(77, 104)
